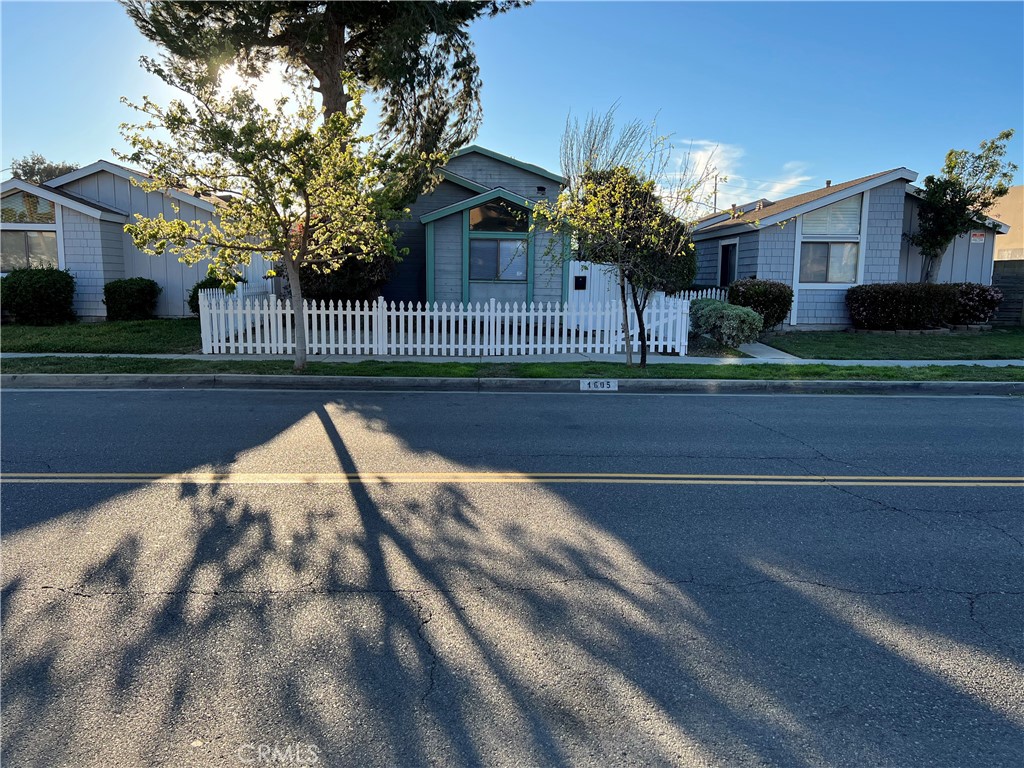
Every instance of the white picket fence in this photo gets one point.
(234, 325)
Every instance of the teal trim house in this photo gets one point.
(469, 238)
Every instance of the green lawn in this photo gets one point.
(997, 344)
(518, 370)
(130, 337)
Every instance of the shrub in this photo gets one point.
(725, 323)
(771, 299)
(133, 298)
(975, 303)
(354, 280)
(39, 296)
(892, 306)
(209, 281)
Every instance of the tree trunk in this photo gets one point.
(640, 325)
(625, 318)
(328, 68)
(299, 309)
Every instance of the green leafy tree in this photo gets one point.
(416, 58)
(955, 200)
(37, 169)
(624, 209)
(297, 192)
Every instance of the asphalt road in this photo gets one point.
(296, 578)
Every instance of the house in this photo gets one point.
(76, 222)
(469, 238)
(824, 241)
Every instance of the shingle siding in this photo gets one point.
(83, 256)
(409, 281)
(884, 236)
(819, 306)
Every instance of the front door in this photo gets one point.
(727, 266)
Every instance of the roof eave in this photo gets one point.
(124, 173)
(55, 196)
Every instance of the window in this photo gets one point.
(830, 242)
(21, 208)
(499, 216)
(497, 259)
(19, 249)
(828, 262)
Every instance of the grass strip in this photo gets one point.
(770, 371)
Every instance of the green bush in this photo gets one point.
(354, 280)
(39, 296)
(209, 282)
(725, 323)
(133, 298)
(771, 299)
(895, 306)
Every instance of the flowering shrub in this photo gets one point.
(975, 303)
(725, 323)
(891, 306)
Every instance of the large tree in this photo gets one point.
(628, 205)
(415, 58)
(954, 201)
(37, 169)
(297, 192)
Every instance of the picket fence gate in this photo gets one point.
(247, 325)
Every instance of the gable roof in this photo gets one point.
(462, 181)
(773, 212)
(473, 202)
(60, 197)
(510, 160)
(203, 202)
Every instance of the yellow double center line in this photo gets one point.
(460, 478)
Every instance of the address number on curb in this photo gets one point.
(599, 385)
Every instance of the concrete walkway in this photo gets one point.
(761, 355)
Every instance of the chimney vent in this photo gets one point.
(828, 183)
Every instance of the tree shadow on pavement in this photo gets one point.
(406, 624)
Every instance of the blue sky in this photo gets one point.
(791, 94)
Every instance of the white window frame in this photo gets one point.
(735, 259)
(57, 227)
(861, 240)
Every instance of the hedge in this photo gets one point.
(39, 296)
(725, 323)
(899, 306)
(133, 298)
(771, 299)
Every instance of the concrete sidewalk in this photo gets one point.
(761, 354)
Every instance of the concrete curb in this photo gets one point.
(431, 384)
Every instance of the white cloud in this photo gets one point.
(733, 186)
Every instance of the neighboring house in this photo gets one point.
(1010, 210)
(76, 222)
(824, 241)
(469, 238)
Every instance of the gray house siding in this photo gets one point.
(884, 233)
(448, 259)
(707, 262)
(547, 271)
(83, 256)
(493, 173)
(409, 281)
(175, 279)
(823, 307)
(963, 260)
(746, 255)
